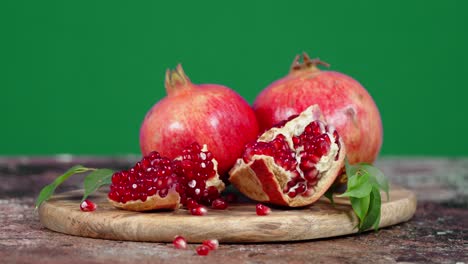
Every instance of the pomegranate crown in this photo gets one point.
(307, 63)
(176, 80)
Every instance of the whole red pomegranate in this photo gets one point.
(208, 114)
(344, 102)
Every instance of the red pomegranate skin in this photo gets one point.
(209, 114)
(345, 103)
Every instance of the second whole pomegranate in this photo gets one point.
(208, 114)
(345, 103)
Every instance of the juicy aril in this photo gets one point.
(293, 163)
(157, 182)
(344, 102)
(209, 114)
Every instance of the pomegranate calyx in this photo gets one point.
(307, 63)
(176, 81)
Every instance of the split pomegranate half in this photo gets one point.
(158, 182)
(293, 163)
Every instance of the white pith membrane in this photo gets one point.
(172, 200)
(244, 175)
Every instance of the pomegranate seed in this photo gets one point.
(219, 204)
(199, 210)
(163, 193)
(212, 243)
(203, 250)
(113, 195)
(154, 155)
(311, 159)
(151, 191)
(145, 163)
(116, 177)
(277, 144)
(301, 187)
(262, 209)
(311, 175)
(296, 141)
(180, 242)
(307, 164)
(88, 206)
(191, 204)
(291, 183)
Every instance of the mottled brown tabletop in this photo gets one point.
(437, 233)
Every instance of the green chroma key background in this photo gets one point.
(78, 76)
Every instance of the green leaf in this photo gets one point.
(329, 195)
(376, 224)
(350, 169)
(373, 216)
(360, 206)
(358, 186)
(96, 179)
(49, 190)
(45, 194)
(363, 189)
(377, 179)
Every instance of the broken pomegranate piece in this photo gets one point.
(293, 163)
(157, 182)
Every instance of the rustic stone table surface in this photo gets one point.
(437, 233)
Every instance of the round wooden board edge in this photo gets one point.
(272, 228)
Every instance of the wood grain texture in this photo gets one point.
(237, 224)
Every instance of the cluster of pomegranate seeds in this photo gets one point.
(197, 167)
(262, 209)
(152, 175)
(192, 175)
(308, 148)
(213, 244)
(207, 246)
(204, 249)
(88, 206)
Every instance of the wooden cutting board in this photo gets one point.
(239, 223)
